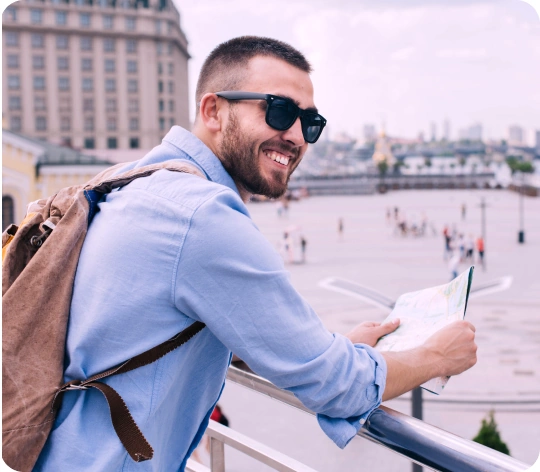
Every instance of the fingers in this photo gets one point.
(390, 326)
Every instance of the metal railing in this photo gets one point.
(220, 436)
(420, 442)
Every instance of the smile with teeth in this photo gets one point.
(279, 158)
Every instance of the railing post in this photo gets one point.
(417, 412)
(217, 455)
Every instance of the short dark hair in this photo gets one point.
(223, 68)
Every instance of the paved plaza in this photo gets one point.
(371, 253)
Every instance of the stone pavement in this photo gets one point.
(370, 253)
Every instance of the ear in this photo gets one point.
(211, 112)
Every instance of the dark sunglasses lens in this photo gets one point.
(312, 126)
(281, 114)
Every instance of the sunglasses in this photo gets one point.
(281, 113)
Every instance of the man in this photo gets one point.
(172, 248)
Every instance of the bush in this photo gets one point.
(489, 435)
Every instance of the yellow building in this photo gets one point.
(383, 151)
(34, 169)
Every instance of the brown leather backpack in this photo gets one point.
(38, 270)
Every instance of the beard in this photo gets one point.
(240, 157)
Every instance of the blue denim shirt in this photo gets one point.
(162, 252)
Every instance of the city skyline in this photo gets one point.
(405, 64)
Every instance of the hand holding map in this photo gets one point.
(425, 312)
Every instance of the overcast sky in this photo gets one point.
(404, 63)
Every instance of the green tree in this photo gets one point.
(383, 167)
(489, 435)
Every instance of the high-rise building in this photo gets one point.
(537, 141)
(433, 128)
(101, 74)
(471, 133)
(369, 133)
(446, 130)
(515, 134)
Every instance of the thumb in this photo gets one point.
(389, 327)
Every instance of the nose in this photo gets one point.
(294, 134)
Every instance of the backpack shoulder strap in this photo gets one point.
(105, 182)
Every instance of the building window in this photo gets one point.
(108, 22)
(62, 41)
(87, 84)
(85, 20)
(63, 63)
(12, 38)
(65, 123)
(171, 105)
(134, 143)
(160, 86)
(133, 105)
(112, 143)
(162, 124)
(14, 82)
(86, 43)
(15, 123)
(66, 141)
(161, 106)
(14, 103)
(131, 45)
(86, 64)
(61, 18)
(159, 48)
(63, 83)
(110, 85)
(8, 211)
(89, 143)
(13, 61)
(89, 123)
(170, 26)
(158, 26)
(133, 86)
(10, 14)
(38, 62)
(132, 67)
(160, 68)
(88, 104)
(131, 23)
(170, 47)
(38, 40)
(110, 65)
(64, 104)
(171, 87)
(40, 104)
(110, 105)
(36, 17)
(171, 68)
(39, 82)
(109, 45)
(41, 123)
(171, 122)
(111, 124)
(134, 124)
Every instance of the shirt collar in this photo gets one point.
(199, 152)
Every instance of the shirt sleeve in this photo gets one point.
(231, 278)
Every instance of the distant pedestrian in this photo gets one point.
(303, 244)
(396, 213)
(461, 245)
(463, 211)
(480, 248)
(287, 247)
(388, 215)
(340, 227)
(469, 248)
(447, 241)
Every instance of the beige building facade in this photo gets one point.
(34, 169)
(94, 74)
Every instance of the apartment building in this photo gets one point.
(94, 74)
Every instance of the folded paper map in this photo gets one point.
(423, 313)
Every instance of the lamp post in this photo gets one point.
(521, 232)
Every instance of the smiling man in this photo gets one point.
(172, 249)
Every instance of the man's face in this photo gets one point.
(259, 158)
